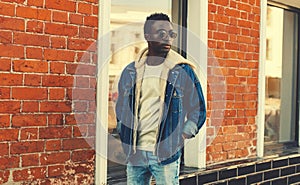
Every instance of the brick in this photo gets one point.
(7, 9)
(57, 81)
(24, 93)
(95, 37)
(220, 36)
(219, 156)
(83, 94)
(33, 13)
(4, 149)
(76, 19)
(12, 24)
(55, 107)
(55, 132)
(27, 147)
(35, 26)
(9, 162)
(79, 44)
(244, 23)
(10, 107)
(61, 29)
(251, 112)
(80, 119)
(222, 19)
(243, 39)
(6, 37)
(79, 131)
(31, 39)
(95, 10)
(82, 82)
(90, 21)
(57, 94)
(214, 148)
(232, 12)
(11, 50)
(30, 106)
(57, 68)
(232, 80)
(30, 174)
(83, 155)
(76, 143)
(34, 53)
(33, 80)
(55, 158)
(30, 160)
(55, 119)
(58, 42)
(244, 7)
(61, 55)
(84, 57)
(25, 120)
(81, 69)
(86, 32)
(84, 168)
(231, 46)
(30, 66)
(29, 134)
(35, 3)
(53, 145)
(93, 83)
(243, 144)
(242, 153)
(229, 129)
(85, 8)
(56, 170)
(4, 93)
(60, 16)
(229, 146)
(66, 5)
(4, 121)
(92, 130)
(80, 106)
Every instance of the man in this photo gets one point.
(160, 103)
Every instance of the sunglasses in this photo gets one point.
(163, 34)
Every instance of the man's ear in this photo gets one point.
(147, 36)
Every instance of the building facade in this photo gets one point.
(60, 61)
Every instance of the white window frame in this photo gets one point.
(197, 10)
(261, 80)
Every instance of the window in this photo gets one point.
(196, 23)
(281, 79)
(127, 40)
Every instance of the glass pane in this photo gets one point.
(281, 75)
(127, 39)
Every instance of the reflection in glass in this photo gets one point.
(127, 39)
(281, 76)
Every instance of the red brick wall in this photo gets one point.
(47, 91)
(47, 87)
(233, 39)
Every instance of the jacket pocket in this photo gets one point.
(176, 100)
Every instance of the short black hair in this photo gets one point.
(154, 17)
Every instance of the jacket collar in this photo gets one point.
(172, 59)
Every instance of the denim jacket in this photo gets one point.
(182, 111)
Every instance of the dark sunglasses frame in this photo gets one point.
(163, 34)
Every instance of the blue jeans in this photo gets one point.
(143, 165)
